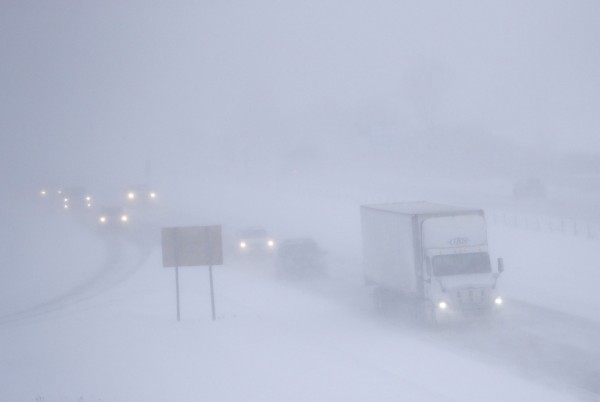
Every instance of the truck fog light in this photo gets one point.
(498, 300)
(443, 305)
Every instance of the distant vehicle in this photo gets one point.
(47, 193)
(113, 218)
(255, 240)
(52, 195)
(529, 188)
(301, 257)
(141, 195)
(433, 258)
(76, 198)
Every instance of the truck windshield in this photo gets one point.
(461, 264)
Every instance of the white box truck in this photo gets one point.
(433, 258)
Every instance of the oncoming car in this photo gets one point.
(255, 240)
(300, 257)
(76, 198)
(141, 196)
(52, 196)
(113, 219)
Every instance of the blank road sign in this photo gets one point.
(191, 246)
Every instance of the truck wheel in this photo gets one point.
(429, 314)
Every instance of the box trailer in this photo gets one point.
(431, 257)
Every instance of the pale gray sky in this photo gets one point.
(83, 83)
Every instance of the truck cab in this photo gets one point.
(458, 275)
(434, 257)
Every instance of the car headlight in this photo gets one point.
(443, 305)
(102, 219)
(270, 243)
(124, 218)
(242, 244)
(498, 301)
(131, 195)
(152, 195)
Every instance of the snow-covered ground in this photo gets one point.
(271, 342)
(555, 270)
(108, 332)
(290, 115)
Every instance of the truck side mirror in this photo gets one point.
(500, 265)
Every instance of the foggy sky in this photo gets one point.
(88, 85)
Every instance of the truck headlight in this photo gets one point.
(498, 301)
(443, 305)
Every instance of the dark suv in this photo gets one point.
(300, 257)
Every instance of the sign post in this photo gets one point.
(212, 292)
(177, 291)
(192, 246)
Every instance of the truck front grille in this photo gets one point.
(472, 298)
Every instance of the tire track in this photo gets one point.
(117, 267)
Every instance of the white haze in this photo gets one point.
(208, 84)
(291, 115)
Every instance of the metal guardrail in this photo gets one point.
(546, 224)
